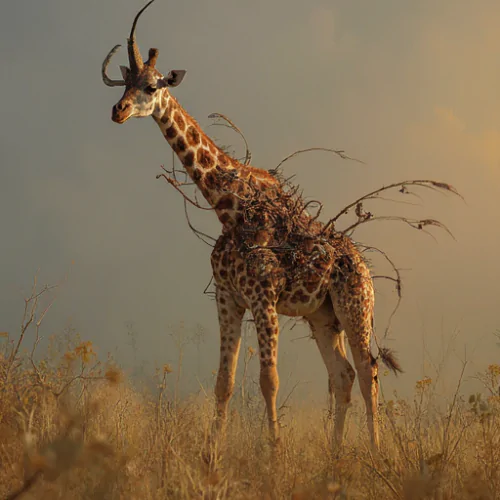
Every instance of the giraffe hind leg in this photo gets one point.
(353, 301)
(330, 340)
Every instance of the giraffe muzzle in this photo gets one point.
(121, 112)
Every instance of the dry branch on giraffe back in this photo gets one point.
(403, 187)
(273, 256)
(229, 124)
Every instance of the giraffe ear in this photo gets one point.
(174, 78)
(125, 72)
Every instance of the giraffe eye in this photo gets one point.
(150, 89)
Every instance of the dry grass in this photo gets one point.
(73, 427)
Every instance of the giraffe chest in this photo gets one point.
(248, 279)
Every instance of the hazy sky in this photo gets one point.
(409, 87)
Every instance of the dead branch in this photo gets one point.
(398, 280)
(207, 291)
(403, 189)
(419, 224)
(232, 126)
(199, 234)
(175, 171)
(318, 212)
(338, 152)
(31, 304)
(177, 185)
(38, 338)
(280, 217)
(288, 396)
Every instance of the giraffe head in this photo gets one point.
(144, 85)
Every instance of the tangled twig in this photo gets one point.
(232, 126)
(397, 280)
(403, 189)
(176, 185)
(278, 220)
(338, 152)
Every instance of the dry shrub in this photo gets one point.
(104, 439)
(72, 426)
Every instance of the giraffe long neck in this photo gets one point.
(222, 180)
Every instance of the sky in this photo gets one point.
(410, 88)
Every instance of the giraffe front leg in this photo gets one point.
(230, 318)
(266, 322)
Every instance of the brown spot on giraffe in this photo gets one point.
(189, 159)
(181, 123)
(192, 136)
(171, 132)
(225, 203)
(179, 146)
(210, 180)
(223, 160)
(196, 175)
(204, 158)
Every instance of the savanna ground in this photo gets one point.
(73, 426)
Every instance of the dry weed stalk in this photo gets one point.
(31, 306)
(114, 442)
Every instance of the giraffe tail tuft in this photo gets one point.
(389, 359)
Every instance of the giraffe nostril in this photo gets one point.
(122, 106)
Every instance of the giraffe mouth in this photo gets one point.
(118, 117)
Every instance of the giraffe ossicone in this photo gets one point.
(272, 258)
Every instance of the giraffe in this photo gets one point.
(324, 279)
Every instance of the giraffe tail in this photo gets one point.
(389, 359)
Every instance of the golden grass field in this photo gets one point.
(74, 427)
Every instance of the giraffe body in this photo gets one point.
(334, 296)
(272, 257)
